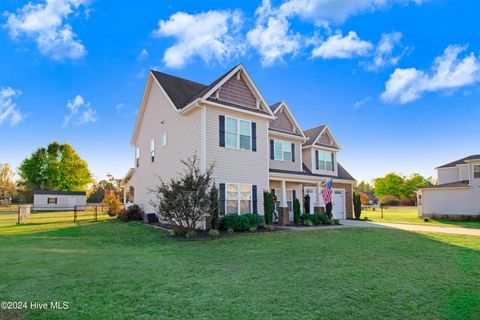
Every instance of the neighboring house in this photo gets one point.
(457, 192)
(255, 147)
(49, 200)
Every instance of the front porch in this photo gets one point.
(287, 188)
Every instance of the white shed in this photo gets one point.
(48, 200)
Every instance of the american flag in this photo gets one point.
(327, 192)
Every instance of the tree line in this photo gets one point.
(56, 167)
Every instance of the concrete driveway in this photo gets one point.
(411, 227)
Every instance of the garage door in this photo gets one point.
(338, 200)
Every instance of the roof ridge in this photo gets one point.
(177, 77)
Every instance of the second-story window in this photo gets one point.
(282, 150)
(238, 134)
(325, 161)
(152, 150)
(476, 171)
(137, 157)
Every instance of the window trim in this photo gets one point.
(137, 157)
(152, 150)
(52, 198)
(284, 143)
(476, 171)
(238, 134)
(163, 139)
(330, 153)
(238, 199)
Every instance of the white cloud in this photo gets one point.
(384, 51)
(338, 46)
(46, 23)
(8, 109)
(447, 72)
(143, 54)
(212, 35)
(271, 36)
(362, 102)
(335, 11)
(81, 111)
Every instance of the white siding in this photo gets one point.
(183, 141)
(451, 201)
(464, 172)
(235, 165)
(447, 175)
(64, 202)
(286, 165)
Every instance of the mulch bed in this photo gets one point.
(203, 235)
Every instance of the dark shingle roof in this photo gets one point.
(342, 173)
(182, 91)
(59, 193)
(275, 106)
(312, 134)
(460, 161)
(458, 184)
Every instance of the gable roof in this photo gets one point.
(457, 184)
(315, 133)
(283, 105)
(180, 91)
(460, 161)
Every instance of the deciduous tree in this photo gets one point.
(7, 182)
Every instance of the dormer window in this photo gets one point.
(324, 160)
(476, 171)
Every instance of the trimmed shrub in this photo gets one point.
(134, 213)
(213, 233)
(308, 223)
(268, 207)
(357, 205)
(306, 204)
(214, 218)
(243, 222)
(389, 200)
(315, 219)
(112, 204)
(296, 211)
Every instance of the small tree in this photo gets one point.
(113, 204)
(296, 211)
(268, 207)
(328, 210)
(306, 204)
(357, 205)
(214, 219)
(185, 200)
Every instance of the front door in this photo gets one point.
(338, 204)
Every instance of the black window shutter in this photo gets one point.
(272, 151)
(221, 125)
(333, 161)
(221, 200)
(254, 136)
(293, 152)
(316, 159)
(254, 199)
(294, 194)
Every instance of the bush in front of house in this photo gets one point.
(296, 211)
(268, 207)
(112, 204)
(243, 222)
(357, 205)
(214, 218)
(408, 202)
(133, 213)
(315, 219)
(389, 200)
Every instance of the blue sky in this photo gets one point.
(396, 81)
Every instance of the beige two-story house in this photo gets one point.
(457, 193)
(254, 146)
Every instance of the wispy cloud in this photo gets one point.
(338, 46)
(212, 36)
(143, 54)
(81, 111)
(362, 102)
(8, 109)
(384, 52)
(47, 24)
(448, 72)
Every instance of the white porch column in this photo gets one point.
(283, 196)
(318, 194)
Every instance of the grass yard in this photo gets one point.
(112, 270)
(409, 215)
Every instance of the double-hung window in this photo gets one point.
(476, 171)
(52, 200)
(325, 160)
(282, 150)
(238, 133)
(238, 198)
(152, 150)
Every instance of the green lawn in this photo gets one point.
(409, 215)
(110, 270)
